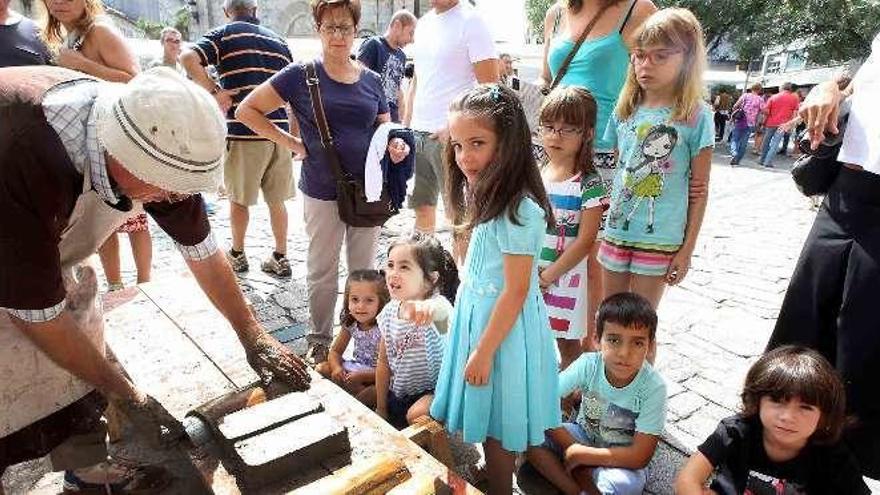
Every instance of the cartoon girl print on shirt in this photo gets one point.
(644, 181)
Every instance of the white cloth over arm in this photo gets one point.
(373, 177)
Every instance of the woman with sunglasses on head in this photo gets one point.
(599, 65)
(354, 104)
(84, 39)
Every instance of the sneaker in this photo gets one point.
(277, 266)
(317, 354)
(239, 263)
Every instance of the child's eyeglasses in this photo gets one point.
(563, 132)
(656, 57)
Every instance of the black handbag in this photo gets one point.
(815, 171)
(351, 201)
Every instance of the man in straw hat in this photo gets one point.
(77, 156)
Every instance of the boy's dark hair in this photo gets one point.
(375, 276)
(576, 107)
(794, 371)
(432, 257)
(627, 309)
(511, 176)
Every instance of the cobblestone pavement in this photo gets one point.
(712, 327)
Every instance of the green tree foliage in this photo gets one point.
(151, 29)
(834, 30)
(535, 12)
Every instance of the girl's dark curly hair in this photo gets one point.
(433, 257)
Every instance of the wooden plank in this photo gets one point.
(183, 301)
(213, 344)
(159, 358)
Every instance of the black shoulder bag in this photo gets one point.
(354, 209)
(815, 171)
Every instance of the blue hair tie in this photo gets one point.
(496, 93)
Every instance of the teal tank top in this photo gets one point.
(600, 67)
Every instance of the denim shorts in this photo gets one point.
(608, 480)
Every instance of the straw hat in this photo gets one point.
(164, 129)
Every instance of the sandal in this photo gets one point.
(135, 480)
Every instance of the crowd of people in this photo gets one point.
(534, 333)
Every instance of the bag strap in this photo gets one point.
(577, 46)
(312, 82)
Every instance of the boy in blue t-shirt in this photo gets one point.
(622, 410)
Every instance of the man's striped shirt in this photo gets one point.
(245, 55)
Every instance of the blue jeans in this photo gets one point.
(739, 142)
(609, 480)
(772, 138)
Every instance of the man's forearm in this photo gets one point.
(216, 279)
(69, 347)
(196, 71)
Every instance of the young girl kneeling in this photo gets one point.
(420, 275)
(365, 295)
(786, 438)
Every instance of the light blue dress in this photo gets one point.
(519, 403)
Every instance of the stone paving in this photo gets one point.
(712, 327)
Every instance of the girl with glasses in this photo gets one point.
(567, 125)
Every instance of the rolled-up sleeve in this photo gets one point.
(186, 222)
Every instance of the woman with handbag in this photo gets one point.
(831, 301)
(587, 45)
(338, 105)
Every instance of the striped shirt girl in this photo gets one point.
(414, 352)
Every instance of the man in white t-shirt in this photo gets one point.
(831, 302)
(453, 51)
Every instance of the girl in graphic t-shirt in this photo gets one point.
(785, 440)
(664, 135)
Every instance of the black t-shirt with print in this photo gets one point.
(736, 449)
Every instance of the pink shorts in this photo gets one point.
(651, 260)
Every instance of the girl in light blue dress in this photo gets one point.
(498, 380)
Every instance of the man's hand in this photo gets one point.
(224, 98)
(271, 360)
(149, 416)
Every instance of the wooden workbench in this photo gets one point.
(177, 347)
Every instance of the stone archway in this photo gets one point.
(301, 25)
